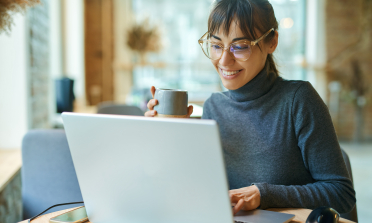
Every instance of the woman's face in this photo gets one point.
(235, 74)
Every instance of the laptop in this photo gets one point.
(138, 169)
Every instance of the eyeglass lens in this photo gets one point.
(239, 50)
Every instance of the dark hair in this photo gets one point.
(250, 14)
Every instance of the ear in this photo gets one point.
(273, 43)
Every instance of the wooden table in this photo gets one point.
(10, 165)
(301, 215)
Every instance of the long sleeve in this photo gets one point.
(206, 112)
(322, 157)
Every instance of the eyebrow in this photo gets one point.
(235, 39)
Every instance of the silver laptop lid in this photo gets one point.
(138, 169)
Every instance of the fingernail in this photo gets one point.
(153, 112)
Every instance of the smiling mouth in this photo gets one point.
(229, 73)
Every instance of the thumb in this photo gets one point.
(153, 89)
(190, 109)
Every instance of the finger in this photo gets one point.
(237, 190)
(151, 113)
(152, 103)
(234, 191)
(190, 109)
(234, 199)
(238, 206)
(153, 89)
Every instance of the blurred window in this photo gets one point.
(290, 53)
(182, 23)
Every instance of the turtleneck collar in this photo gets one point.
(258, 86)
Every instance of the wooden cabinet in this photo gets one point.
(99, 84)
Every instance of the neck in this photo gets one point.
(256, 87)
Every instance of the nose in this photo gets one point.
(226, 58)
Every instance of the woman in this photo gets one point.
(279, 143)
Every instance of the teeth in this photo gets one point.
(229, 73)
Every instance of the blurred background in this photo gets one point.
(75, 55)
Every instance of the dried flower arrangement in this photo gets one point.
(143, 38)
(9, 7)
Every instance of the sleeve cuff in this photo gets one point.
(263, 188)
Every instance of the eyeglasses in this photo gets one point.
(241, 50)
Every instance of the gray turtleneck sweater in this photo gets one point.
(278, 135)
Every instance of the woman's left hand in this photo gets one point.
(246, 198)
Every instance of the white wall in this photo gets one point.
(55, 53)
(14, 65)
(316, 45)
(73, 16)
(122, 75)
(13, 85)
(55, 38)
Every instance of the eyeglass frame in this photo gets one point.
(252, 43)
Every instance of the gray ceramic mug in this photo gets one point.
(171, 103)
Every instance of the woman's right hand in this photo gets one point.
(151, 104)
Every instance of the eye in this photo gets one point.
(215, 46)
(240, 46)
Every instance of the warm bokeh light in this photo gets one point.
(286, 23)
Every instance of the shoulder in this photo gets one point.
(305, 93)
(212, 104)
(300, 96)
(297, 90)
(216, 98)
(307, 101)
(292, 86)
(284, 91)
